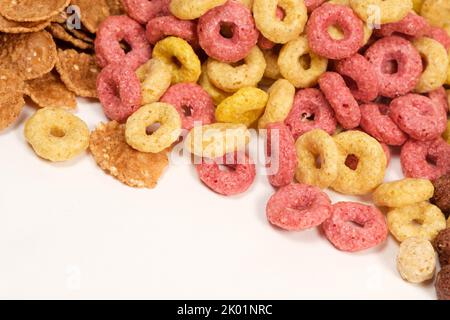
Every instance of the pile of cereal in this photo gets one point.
(333, 86)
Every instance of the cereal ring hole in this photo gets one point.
(305, 61)
(176, 62)
(431, 160)
(308, 116)
(318, 162)
(351, 84)
(336, 32)
(151, 129)
(390, 66)
(187, 110)
(352, 162)
(417, 223)
(57, 132)
(227, 30)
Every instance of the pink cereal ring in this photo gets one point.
(440, 35)
(310, 111)
(397, 63)
(312, 5)
(107, 43)
(439, 96)
(263, 42)
(376, 122)
(341, 99)
(354, 226)
(425, 159)
(366, 87)
(192, 103)
(418, 116)
(320, 40)
(161, 27)
(238, 177)
(244, 37)
(298, 207)
(144, 10)
(119, 91)
(281, 155)
(412, 25)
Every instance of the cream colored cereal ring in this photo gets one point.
(381, 11)
(418, 220)
(416, 260)
(155, 77)
(437, 12)
(190, 10)
(403, 193)
(281, 99)
(56, 135)
(216, 94)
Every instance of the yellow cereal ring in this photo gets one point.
(272, 69)
(190, 10)
(245, 106)
(418, 220)
(56, 135)
(216, 140)
(434, 75)
(381, 11)
(281, 99)
(416, 260)
(155, 77)
(138, 123)
(447, 132)
(437, 12)
(180, 57)
(229, 78)
(299, 65)
(403, 193)
(313, 145)
(216, 94)
(448, 72)
(371, 168)
(274, 29)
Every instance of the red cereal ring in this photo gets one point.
(161, 27)
(376, 122)
(341, 99)
(354, 226)
(107, 43)
(238, 18)
(144, 10)
(281, 155)
(439, 96)
(263, 42)
(440, 35)
(238, 177)
(418, 116)
(192, 103)
(312, 5)
(362, 74)
(397, 63)
(119, 91)
(321, 42)
(425, 159)
(412, 25)
(310, 111)
(298, 207)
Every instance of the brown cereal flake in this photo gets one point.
(81, 35)
(11, 97)
(133, 168)
(50, 91)
(30, 55)
(9, 26)
(31, 10)
(79, 72)
(92, 13)
(60, 33)
(10, 110)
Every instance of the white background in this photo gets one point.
(71, 231)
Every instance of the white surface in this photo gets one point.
(71, 231)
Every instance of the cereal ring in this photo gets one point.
(190, 10)
(310, 111)
(299, 65)
(236, 180)
(412, 25)
(371, 168)
(281, 99)
(119, 91)
(216, 94)
(436, 12)
(319, 38)
(362, 78)
(272, 68)
(403, 193)
(426, 159)
(160, 27)
(56, 135)
(215, 140)
(280, 31)
(440, 35)
(107, 43)
(397, 63)
(376, 122)
(263, 42)
(180, 57)
(418, 116)
(352, 161)
(442, 245)
(281, 155)
(341, 99)
(439, 96)
(435, 56)
(298, 207)
(313, 145)
(168, 132)
(386, 11)
(243, 34)
(245, 106)
(229, 78)
(144, 10)
(416, 260)
(155, 78)
(441, 197)
(355, 227)
(192, 103)
(443, 284)
(418, 220)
